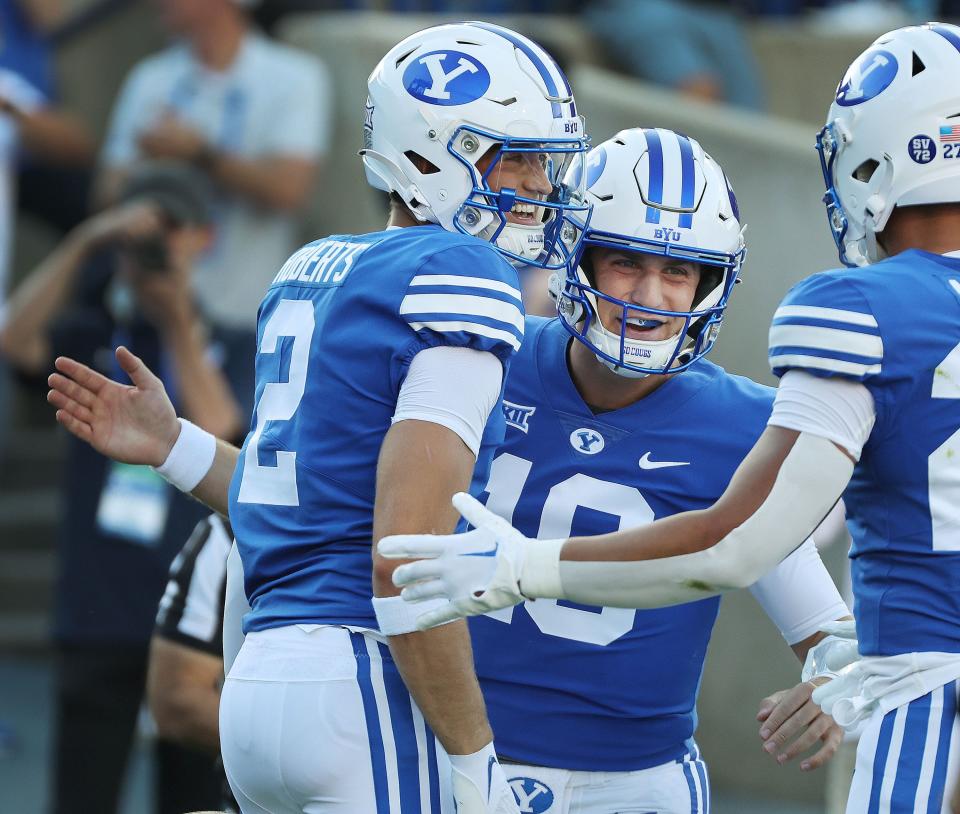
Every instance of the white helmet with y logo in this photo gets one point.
(446, 97)
(892, 136)
(654, 191)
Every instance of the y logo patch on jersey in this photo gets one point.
(446, 78)
(587, 441)
(533, 797)
(646, 463)
(517, 415)
(867, 78)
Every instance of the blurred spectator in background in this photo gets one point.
(123, 277)
(698, 49)
(30, 121)
(251, 114)
(186, 653)
(58, 149)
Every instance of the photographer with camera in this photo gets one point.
(124, 277)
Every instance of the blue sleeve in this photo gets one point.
(825, 326)
(465, 296)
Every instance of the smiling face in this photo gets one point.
(645, 281)
(524, 172)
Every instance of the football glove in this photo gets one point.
(480, 785)
(476, 572)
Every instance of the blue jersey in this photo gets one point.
(336, 333)
(606, 689)
(895, 327)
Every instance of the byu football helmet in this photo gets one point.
(892, 135)
(657, 192)
(451, 95)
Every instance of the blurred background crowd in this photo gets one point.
(159, 159)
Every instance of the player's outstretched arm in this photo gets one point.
(133, 423)
(780, 493)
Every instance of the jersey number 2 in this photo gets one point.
(277, 485)
(508, 475)
(943, 466)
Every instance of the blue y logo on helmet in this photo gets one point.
(868, 77)
(596, 161)
(533, 797)
(446, 78)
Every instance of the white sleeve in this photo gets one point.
(454, 387)
(839, 410)
(799, 594)
(811, 479)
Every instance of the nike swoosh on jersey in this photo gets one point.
(646, 463)
(490, 775)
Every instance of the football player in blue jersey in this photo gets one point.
(381, 358)
(868, 407)
(600, 438)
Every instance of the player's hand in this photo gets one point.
(132, 424)
(482, 789)
(791, 724)
(476, 572)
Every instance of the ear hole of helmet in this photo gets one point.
(918, 66)
(864, 172)
(424, 165)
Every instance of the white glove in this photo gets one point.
(832, 655)
(479, 784)
(476, 572)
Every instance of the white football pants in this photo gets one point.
(678, 787)
(907, 760)
(316, 720)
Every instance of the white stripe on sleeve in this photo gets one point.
(466, 305)
(832, 314)
(830, 339)
(466, 282)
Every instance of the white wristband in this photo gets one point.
(540, 573)
(396, 616)
(191, 457)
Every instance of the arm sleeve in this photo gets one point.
(467, 296)
(837, 409)
(454, 387)
(799, 594)
(825, 327)
(191, 610)
(814, 468)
